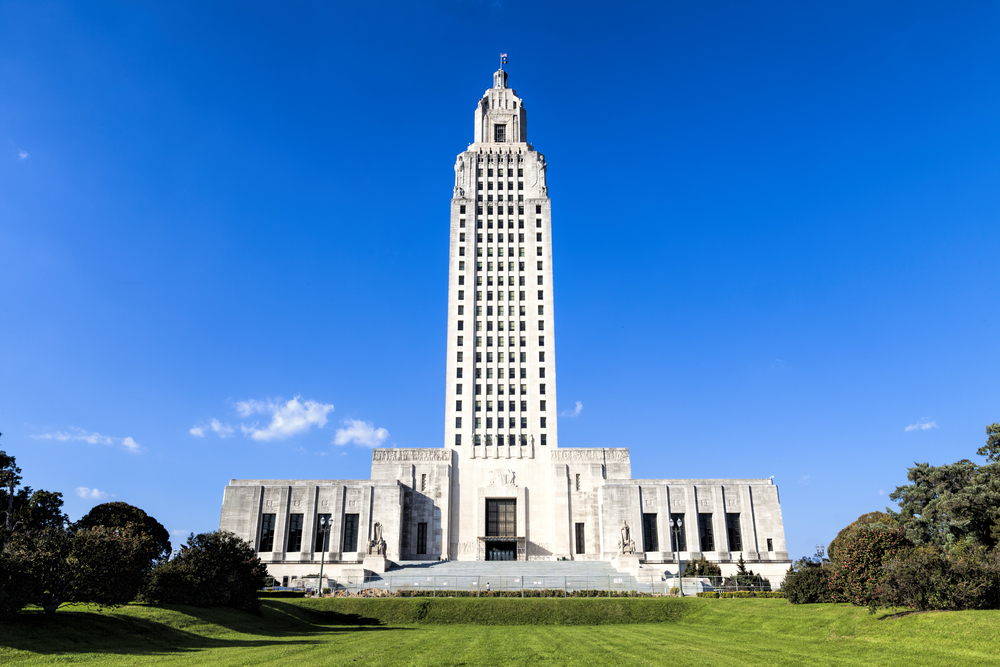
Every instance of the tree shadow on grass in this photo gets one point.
(148, 630)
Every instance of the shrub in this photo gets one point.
(807, 583)
(212, 569)
(931, 578)
(859, 569)
(740, 594)
(701, 568)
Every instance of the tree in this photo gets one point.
(104, 566)
(212, 569)
(43, 559)
(110, 564)
(991, 450)
(807, 582)
(122, 515)
(951, 503)
(870, 519)
(858, 566)
(10, 477)
(701, 568)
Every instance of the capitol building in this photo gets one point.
(500, 486)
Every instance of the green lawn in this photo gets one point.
(338, 632)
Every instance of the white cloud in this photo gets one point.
(180, 533)
(87, 492)
(575, 412)
(921, 425)
(74, 434)
(287, 419)
(22, 154)
(217, 427)
(360, 433)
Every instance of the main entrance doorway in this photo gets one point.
(501, 529)
(501, 550)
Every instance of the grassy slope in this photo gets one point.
(706, 632)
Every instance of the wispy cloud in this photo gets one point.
(75, 434)
(180, 533)
(287, 419)
(23, 154)
(921, 425)
(217, 427)
(89, 493)
(575, 412)
(360, 433)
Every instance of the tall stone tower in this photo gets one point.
(501, 389)
(500, 402)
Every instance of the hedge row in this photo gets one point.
(471, 611)
(528, 593)
(741, 594)
(281, 594)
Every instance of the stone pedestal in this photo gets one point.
(377, 564)
(627, 563)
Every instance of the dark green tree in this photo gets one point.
(859, 565)
(948, 504)
(991, 450)
(212, 569)
(807, 582)
(122, 515)
(701, 568)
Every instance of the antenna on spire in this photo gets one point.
(503, 60)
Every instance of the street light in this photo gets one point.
(324, 526)
(676, 525)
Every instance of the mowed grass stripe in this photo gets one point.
(698, 632)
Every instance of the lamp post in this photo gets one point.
(676, 525)
(324, 526)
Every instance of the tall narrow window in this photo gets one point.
(294, 532)
(705, 532)
(770, 544)
(733, 532)
(501, 518)
(266, 542)
(322, 540)
(350, 532)
(581, 543)
(499, 133)
(421, 538)
(649, 537)
(423, 482)
(678, 538)
(578, 484)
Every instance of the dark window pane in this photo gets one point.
(266, 542)
(705, 532)
(350, 532)
(649, 537)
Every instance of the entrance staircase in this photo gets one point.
(446, 576)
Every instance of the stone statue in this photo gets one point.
(626, 545)
(376, 545)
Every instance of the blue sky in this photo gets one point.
(775, 232)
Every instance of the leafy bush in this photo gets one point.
(15, 589)
(701, 568)
(212, 569)
(807, 582)
(740, 594)
(932, 578)
(858, 565)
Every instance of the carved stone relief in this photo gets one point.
(502, 477)
(380, 455)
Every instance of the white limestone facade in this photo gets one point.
(501, 487)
